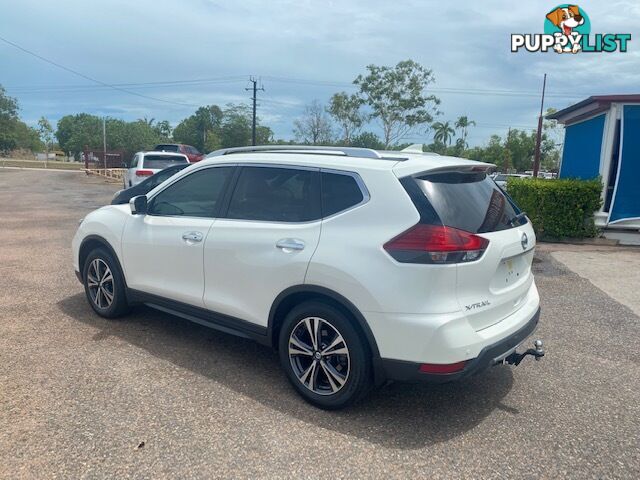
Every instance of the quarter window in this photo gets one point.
(196, 195)
(276, 195)
(339, 192)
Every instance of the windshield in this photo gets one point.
(162, 161)
(469, 201)
(500, 178)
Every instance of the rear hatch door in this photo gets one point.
(494, 286)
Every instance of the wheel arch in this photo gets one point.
(295, 295)
(90, 243)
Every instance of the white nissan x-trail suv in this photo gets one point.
(358, 266)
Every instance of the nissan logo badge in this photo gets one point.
(524, 241)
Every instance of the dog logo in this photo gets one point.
(565, 19)
(567, 29)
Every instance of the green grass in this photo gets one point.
(54, 165)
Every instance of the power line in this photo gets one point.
(81, 88)
(87, 77)
(238, 78)
(461, 90)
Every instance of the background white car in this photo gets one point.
(145, 164)
(501, 178)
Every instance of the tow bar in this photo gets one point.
(515, 358)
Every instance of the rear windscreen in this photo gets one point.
(167, 148)
(162, 161)
(469, 201)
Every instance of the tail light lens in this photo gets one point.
(144, 173)
(436, 244)
(442, 369)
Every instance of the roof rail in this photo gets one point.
(319, 149)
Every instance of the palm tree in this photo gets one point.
(148, 121)
(443, 132)
(463, 123)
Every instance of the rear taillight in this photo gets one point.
(144, 173)
(436, 244)
(442, 368)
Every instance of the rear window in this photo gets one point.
(500, 178)
(468, 201)
(167, 148)
(162, 161)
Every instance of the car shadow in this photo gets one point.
(401, 416)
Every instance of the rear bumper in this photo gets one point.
(404, 371)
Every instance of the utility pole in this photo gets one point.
(536, 159)
(104, 141)
(254, 98)
(507, 152)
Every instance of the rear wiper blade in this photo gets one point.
(516, 220)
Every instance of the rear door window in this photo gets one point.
(276, 195)
(469, 201)
(339, 192)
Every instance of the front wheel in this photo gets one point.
(324, 356)
(104, 284)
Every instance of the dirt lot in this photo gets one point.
(78, 394)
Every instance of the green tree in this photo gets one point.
(463, 123)
(45, 131)
(397, 99)
(8, 121)
(443, 132)
(194, 129)
(314, 126)
(163, 129)
(367, 140)
(75, 131)
(346, 111)
(236, 126)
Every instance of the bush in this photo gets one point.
(558, 208)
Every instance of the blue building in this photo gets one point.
(602, 138)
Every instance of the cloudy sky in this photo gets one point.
(196, 52)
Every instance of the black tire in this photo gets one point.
(118, 305)
(355, 364)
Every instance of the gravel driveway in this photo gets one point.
(79, 394)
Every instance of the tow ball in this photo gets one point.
(537, 352)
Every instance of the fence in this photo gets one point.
(98, 159)
(111, 173)
(105, 164)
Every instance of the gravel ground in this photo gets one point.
(79, 394)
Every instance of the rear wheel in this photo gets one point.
(324, 356)
(104, 284)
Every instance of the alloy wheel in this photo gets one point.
(319, 356)
(100, 283)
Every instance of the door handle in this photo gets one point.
(192, 237)
(290, 244)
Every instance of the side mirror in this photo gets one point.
(125, 165)
(138, 205)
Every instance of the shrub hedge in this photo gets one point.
(558, 208)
